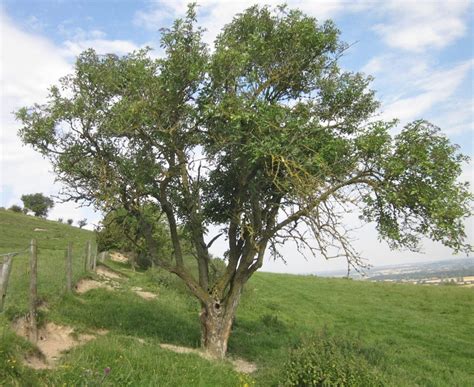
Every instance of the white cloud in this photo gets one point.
(78, 39)
(456, 116)
(29, 65)
(425, 92)
(101, 46)
(415, 86)
(421, 25)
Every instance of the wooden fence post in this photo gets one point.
(86, 257)
(89, 254)
(33, 291)
(5, 269)
(69, 268)
(94, 258)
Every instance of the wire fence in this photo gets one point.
(7, 260)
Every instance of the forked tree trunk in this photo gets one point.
(216, 324)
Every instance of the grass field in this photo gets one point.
(412, 335)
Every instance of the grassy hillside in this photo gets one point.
(412, 335)
(16, 232)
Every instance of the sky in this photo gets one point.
(419, 52)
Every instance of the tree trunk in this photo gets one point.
(216, 324)
(215, 331)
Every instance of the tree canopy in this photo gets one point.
(260, 136)
(37, 203)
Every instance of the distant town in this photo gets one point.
(459, 272)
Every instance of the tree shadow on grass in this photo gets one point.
(132, 316)
(252, 339)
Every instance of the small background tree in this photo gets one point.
(120, 231)
(16, 208)
(70, 222)
(37, 203)
(82, 222)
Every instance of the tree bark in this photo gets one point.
(216, 323)
(215, 330)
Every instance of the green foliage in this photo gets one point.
(82, 222)
(326, 360)
(15, 208)
(419, 193)
(120, 231)
(70, 222)
(37, 203)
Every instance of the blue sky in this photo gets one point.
(420, 53)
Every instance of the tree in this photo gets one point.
(82, 222)
(70, 222)
(37, 203)
(120, 231)
(261, 137)
(15, 208)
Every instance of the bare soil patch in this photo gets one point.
(118, 257)
(240, 365)
(144, 294)
(53, 339)
(107, 273)
(107, 280)
(86, 284)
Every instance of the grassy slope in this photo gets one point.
(16, 231)
(415, 335)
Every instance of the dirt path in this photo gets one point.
(240, 365)
(108, 280)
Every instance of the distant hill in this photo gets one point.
(435, 272)
(453, 271)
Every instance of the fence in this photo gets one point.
(90, 257)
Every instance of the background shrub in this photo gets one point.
(326, 360)
(15, 208)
